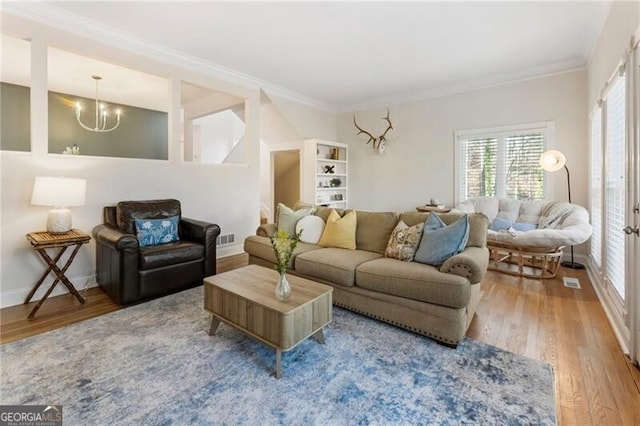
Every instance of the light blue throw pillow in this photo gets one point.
(500, 224)
(439, 241)
(524, 227)
(152, 232)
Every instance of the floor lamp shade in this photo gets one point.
(553, 161)
(60, 193)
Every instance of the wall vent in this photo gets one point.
(571, 282)
(226, 239)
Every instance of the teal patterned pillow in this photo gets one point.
(152, 232)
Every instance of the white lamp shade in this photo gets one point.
(552, 160)
(58, 192)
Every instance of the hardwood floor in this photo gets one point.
(567, 328)
(63, 310)
(595, 383)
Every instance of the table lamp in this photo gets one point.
(60, 193)
(553, 161)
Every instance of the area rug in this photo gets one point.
(155, 364)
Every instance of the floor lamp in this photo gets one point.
(552, 161)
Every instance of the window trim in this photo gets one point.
(545, 127)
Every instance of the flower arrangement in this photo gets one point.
(283, 246)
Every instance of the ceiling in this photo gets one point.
(358, 54)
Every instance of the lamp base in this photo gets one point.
(59, 221)
(572, 265)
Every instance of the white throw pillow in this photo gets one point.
(312, 228)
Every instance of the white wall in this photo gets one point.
(620, 25)
(203, 190)
(308, 121)
(419, 161)
(228, 195)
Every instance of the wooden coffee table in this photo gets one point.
(245, 299)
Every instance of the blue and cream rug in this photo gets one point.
(155, 364)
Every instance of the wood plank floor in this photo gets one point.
(567, 328)
(595, 383)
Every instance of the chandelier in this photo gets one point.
(101, 114)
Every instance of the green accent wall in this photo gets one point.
(142, 133)
(15, 117)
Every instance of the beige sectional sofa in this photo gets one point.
(438, 302)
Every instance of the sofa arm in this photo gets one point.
(115, 239)
(117, 256)
(472, 264)
(204, 233)
(198, 231)
(266, 230)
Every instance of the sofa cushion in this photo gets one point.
(324, 212)
(413, 218)
(439, 242)
(157, 256)
(287, 218)
(333, 264)
(374, 229)
(403, 241)
(128, 211)
(414, 281)
(478, 224)
(259, 246)
(310, 229)
(340, 232)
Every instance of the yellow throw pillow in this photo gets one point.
(340, 232)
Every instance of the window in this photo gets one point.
(596, 186)
(501, 162)
(614, 181)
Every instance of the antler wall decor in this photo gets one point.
(380, 142)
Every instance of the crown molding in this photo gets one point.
(469, 85)
(52, 16)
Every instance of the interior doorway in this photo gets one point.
(286, 177)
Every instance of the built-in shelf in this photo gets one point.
(320, 154)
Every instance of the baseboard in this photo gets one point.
(16, 297)
(578, 258)
(617, 323)
(230, 250)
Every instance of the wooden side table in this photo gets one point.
(434, 209)
(41, 241)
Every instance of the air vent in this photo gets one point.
(571, 282)
(226, 239)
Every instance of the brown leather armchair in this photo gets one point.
(130, 273)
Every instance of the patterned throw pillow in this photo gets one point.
(152, 232)
(439, 241)
(553, 214)
(404, 241)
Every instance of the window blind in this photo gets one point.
(479, 165)
(614, 191)
(596, 187)
(524, 176)
(503, 165)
